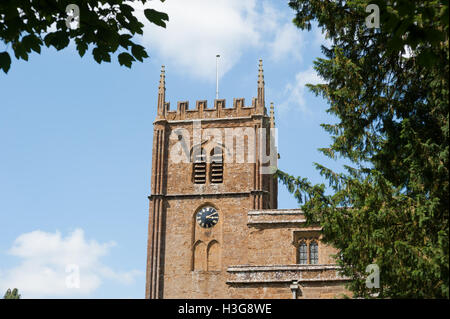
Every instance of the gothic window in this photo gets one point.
(199, 169)
(313, 253)
(308, 251)
(216, 166)
(303, 254)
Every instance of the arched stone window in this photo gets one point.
(313, 253)
(302, 253)
(216, 165)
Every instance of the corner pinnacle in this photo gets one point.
(260, 74)
(162, 79)
(272, 115)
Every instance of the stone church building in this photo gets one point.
(214, 227)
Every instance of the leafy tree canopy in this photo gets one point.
(388, 88)
(106, 25)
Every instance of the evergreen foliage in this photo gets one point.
(388, 88)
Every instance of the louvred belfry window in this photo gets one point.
(216, 166)
(199, 171)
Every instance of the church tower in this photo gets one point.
(210, 167)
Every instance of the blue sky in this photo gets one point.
(76, 138)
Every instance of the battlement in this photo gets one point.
(218, 110)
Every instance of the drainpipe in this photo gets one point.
(294, 288)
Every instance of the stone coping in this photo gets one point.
(274, 217)
(276, 222)
(254, 274)
(277, 212)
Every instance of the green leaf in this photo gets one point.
(20, 51)
(139, 52)
(125, 59)
(5, 61)
(81, 46)
(125, 40)
(101, 54)
(59, 40)
(33, 42)
(156, 17)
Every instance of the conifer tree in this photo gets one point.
(388, 88)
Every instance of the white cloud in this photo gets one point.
(288, 41)
(199, 29)
(48, 261)
(295, 92)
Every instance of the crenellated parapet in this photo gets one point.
(219, 108)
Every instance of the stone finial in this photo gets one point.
(272, 115)
(161, 108)
(260, 101)
(260, 75)
(162, 79)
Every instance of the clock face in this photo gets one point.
(207, 217)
